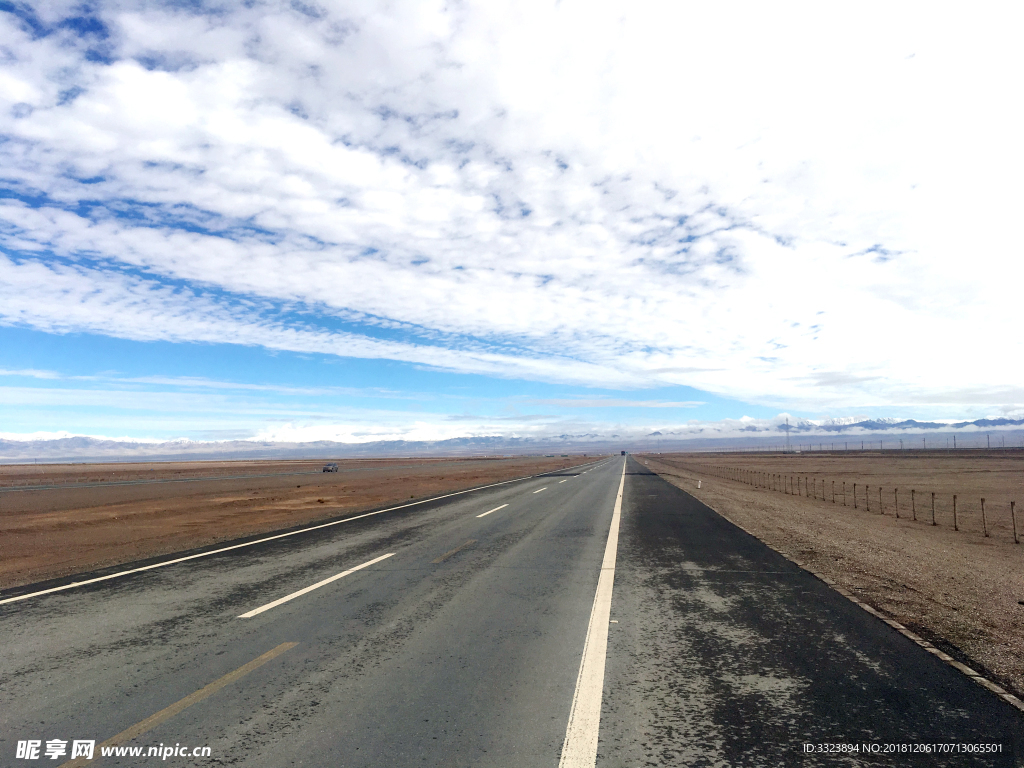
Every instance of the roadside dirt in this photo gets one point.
(122, 516)
(960, 590)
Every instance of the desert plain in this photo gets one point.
(60, 520)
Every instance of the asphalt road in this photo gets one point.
(461, 644)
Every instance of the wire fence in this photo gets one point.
(952, 510)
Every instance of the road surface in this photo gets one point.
(452, 633)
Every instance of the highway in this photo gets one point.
(593, 616)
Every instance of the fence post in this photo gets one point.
(833, 491)
(896, 499)
(913, 506)
(933, 509)
(867, 497)
(1013, 517)
(984, 522)
(955, 526)
(798, 486)
(854, 495)
(844, 493)
(881, 507)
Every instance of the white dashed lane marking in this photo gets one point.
(485, 514)
(310, 588)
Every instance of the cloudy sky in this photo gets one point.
(360, 220)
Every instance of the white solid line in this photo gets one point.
(541, 489)
(253, 543)
(485, 514)
(580, 747)
(319, 584)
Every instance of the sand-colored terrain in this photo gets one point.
(959, 589)
(66, 519)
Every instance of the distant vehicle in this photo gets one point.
(332, 467)
(623, 453)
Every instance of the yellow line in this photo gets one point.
(446, 555)
(168, 712)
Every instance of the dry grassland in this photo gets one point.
(960, 590)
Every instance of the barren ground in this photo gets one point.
(118, 515)
(959, 589)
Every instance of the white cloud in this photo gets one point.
(31, 373)
(794, 205)
(616, 403)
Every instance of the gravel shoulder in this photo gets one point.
(957, 589)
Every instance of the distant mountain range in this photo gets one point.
(92, 449)
(888, 425)
(727, 435)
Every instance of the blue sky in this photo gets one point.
(368, 220)
(117, 388)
